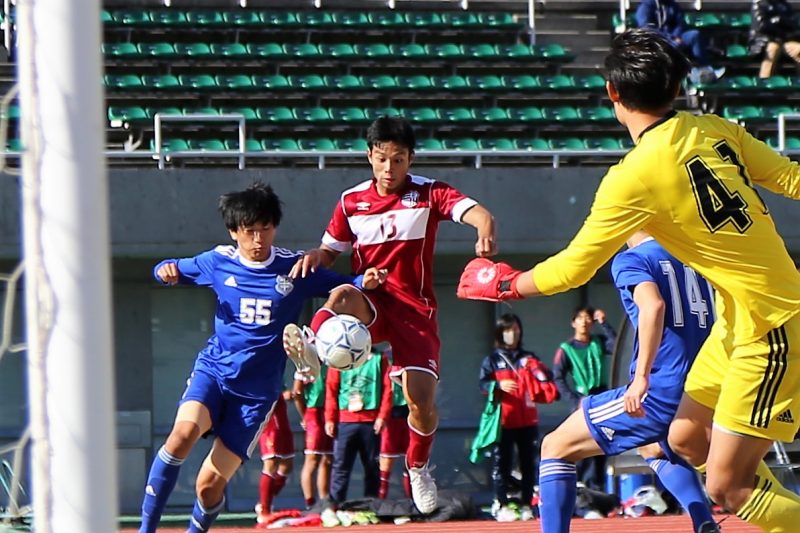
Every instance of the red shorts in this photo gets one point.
(394, 437)
(414, 336)
(277, 439)
(317, 442)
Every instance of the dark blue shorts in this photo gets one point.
(236, 420)
(615, 431)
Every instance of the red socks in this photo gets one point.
(322, 315)
(419, 447)
(383, 490)
(269, 486)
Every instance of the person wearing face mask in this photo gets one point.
(580, 367)
(516, 380)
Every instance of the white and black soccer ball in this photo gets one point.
(343, 342)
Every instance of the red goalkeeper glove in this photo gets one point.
(484, 279)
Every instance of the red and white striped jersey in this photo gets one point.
(396, 232)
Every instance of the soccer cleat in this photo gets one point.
(423, 489)
(526, 513)
(299, 348)
(329, 518)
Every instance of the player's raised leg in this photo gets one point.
(419, 388)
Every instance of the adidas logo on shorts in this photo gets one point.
(608, 432)
(786, 417)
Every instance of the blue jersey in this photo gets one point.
(688, 316)
(255, 300)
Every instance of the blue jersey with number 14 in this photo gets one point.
(255, 300)
(688, 316)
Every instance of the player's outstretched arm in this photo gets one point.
(482, 220)
(168, 273)
(651, 328)
(483, 279)
(311, 259)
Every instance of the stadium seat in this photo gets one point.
(373, 113)
(283, 145)
(424, 19)
(250, 145)
(444, 50)
(561, 114)
(745, 112)
(125, 82)
(168, 17)
(409, 51)
(387, 19)
(553, 52)
(414, 82)
(118, 116)
(266, 50)
(525, 114)
(455, 114)
(514, 51)
(374, 50)
(381, 82)
(351, 19)
(157, 50)
(772, 112)
(736, 20)
(14, 145)
(501, 143)
(162, 111)
(430, 144)
(316, 144)
(487, 82)
(308, 81)
(521, 82)
(302, 50)
(736, 51)
(132, 17)
(279, 114)
(355, 145)
(491, 115)
(207, 145)
(567, 143)
(347, 114)
(315, 18)
(272, 82)
(284, 19)
(532, 144)
(449, 83)
(205, 18)
(248, 112)
(338, 50)
(464, 143)
(234, 82)
(703, 20)
(197, 81)
(193, 49)
(201, 110)
(314, 115)
(422, 115)
(120, 50)
(171, 145)
(241, 17)
(775, 83)
(591, 82)
(791, 143)
(558, 82)
(497, 20)
(342, 82)
(597, 114)
(106, 17)
(461, 19)
(229, 50)
(602, 143)
(482, 51)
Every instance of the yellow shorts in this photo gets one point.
(753, 389)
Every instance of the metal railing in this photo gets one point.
(162, 156)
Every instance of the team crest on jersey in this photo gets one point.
(362, 206)
(410, 199)
(284, 285)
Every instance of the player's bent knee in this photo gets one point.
(552, 447)
(182, 438)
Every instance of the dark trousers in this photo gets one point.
(592, 472)
(354, 438)
(526, 440)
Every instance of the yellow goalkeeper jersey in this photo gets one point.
(689, 182)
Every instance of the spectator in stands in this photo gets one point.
(667, 17)
(773, 28)
(277, 454)
(309, 398)
(580, 367)
(520, 381)
(357, 405)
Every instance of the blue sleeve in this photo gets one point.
(195, 270)
(629, 270)
(486, 376)
(323, 281)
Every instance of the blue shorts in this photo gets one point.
(615, 431)
(236, 420)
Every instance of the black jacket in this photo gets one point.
(771, 21)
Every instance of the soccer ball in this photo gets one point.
(343, 342)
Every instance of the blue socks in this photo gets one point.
(202, 518)
(681, 480)
(557, 493)
(160, 482)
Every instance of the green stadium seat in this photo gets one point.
(351, 19)
(430, 144)
(308, 81)
(602, 143)
(250, 145)
(373, 113)
(772, 112)
(455, 114)
(387, 19)
(567, 143)
(532, 144)
(444, 50)
(193, 49)
(496, 144)
(163, 111)
(315, 18)
(303, 50)
(373, 50)
(230, 50)
(464, 143)
(416, 82)
(172, 145)
(493, 115)
(241, 18)
(353, 145)
(13, 112)
(279, 145)
(561, 114)
(737, 51)
(381, 82)
(736, 20)
(321, 144)
(118, 116)
(553, 52)
(488, 82)
(409, 51)
(168, 17)
(344, 82)
(284, 19)
(201, 110)
(558, 82)
(234, 82)
(521, 82)
(207, 145)
(497, 20)
(461, 19)
(592, 82)
(132, 17)
(791, 143)
(157, 50)
(14, 145)
(449, 83)
(737, 83)
(347, 114)
(702, 20)
(120, 50)
(270, 82)
(745, 112)
(421, 115)
(266, 50)
(482, 51)
(338, 50)
(424, 19)
(525, 114)
(598, 114)
(775, 83)
(248, 112)
(315, 115)
(125, 82)
(106, 17)
(202, 82)
(514, 51)
(205, 18)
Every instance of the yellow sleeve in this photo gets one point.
(622, 205)
(768, 168)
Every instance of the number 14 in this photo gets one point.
(697, 304)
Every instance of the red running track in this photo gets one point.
(653, 524)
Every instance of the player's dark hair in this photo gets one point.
(257, 203)
(503, 323)
(646, 69)
(391, 129)
(583, 309)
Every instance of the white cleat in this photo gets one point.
(423, 489)
(299, 348)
